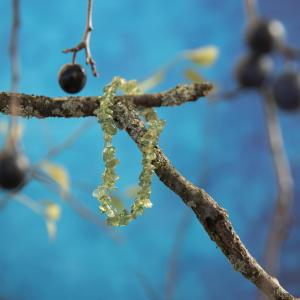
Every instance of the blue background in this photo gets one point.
(133, 38)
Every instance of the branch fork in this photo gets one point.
(85, 42)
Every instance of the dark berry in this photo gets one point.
(286, 91)
(13, 169)
(72, 78)
(252, 71)
(263, 36)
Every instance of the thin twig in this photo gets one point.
(5, 200)
(68, 141)
(147, 286)
(225, 95)
(290, 53)
(83, 211)
(251, 10)
(172, 270)
(70, 107)
(35, 206)
(281, 219)
(15, 73)
(85, 42)
(13, 46)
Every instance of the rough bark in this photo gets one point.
(74, 107)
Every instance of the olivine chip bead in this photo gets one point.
(72, 78)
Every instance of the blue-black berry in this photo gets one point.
(13, 169)
(263, 36)
(252, 71)
(72, 78)
(286, 90)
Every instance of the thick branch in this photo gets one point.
(213, 217)
(68, 107)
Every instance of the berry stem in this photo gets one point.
(251, 9)
(13, 46)
(290, 53)
(85, 42)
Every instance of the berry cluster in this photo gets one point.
(263, 37)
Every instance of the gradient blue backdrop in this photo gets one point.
(133, 38)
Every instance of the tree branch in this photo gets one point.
(251, 10)
(213, 217)
(68, 107)
(13, 46)
(280, 223)
(172, 270)
(15, 72)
